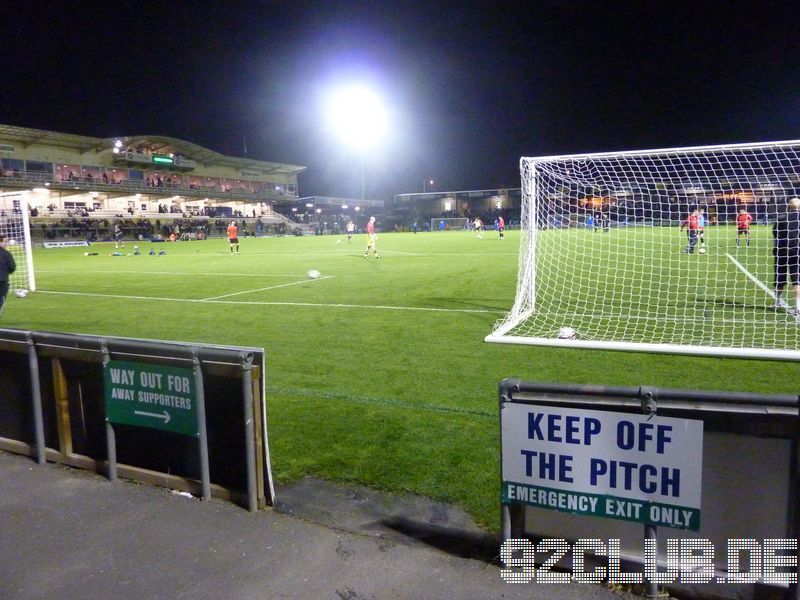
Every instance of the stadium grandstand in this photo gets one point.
(431, 207)
(78, 186)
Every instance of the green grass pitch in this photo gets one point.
(377, 372)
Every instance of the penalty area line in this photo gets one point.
(272, 287)
(751, 277)
(267, 303)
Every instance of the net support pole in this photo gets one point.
(533, 231)
(28, 244)
(202, 432)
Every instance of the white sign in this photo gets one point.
(618, 465)
(69, 244)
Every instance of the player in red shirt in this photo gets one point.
(692, 223)
(372, 241)
(743, 220)
(501, 227)
(233, 236)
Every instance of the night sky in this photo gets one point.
(471, 86)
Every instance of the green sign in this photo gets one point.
(154, 396)
(162, 158)
(596, 505)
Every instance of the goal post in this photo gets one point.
(449, 223)
(668, 250)
(15, 228)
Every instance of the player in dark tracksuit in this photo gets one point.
(7, 267)
(786, 234)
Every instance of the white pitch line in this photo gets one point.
(260, 303)
(272, 287)
(752, 277)
(169, 273)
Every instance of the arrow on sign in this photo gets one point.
(162, 415)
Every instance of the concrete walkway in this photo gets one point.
(69, 534)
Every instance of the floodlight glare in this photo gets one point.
(357, 115)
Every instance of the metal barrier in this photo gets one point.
(185, 416)
(749, 460)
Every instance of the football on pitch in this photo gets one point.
(313, 274)
(702, 251)
(12, 242)
(21, 293)
(567, 333)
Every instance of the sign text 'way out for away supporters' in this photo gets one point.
(148, 395)
(601, 463)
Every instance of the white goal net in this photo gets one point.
(15, 228)
(667, 250)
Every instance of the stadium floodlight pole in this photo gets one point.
(363, 187)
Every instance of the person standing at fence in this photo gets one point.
(233, 236)
(7, 267)
(372, 239)
(786, 250)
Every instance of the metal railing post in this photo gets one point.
(202, 432)
(36, 392)
(249, 430)
(111, 437)
(650, 408)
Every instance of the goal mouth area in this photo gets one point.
(682, 251)
(648, 348)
